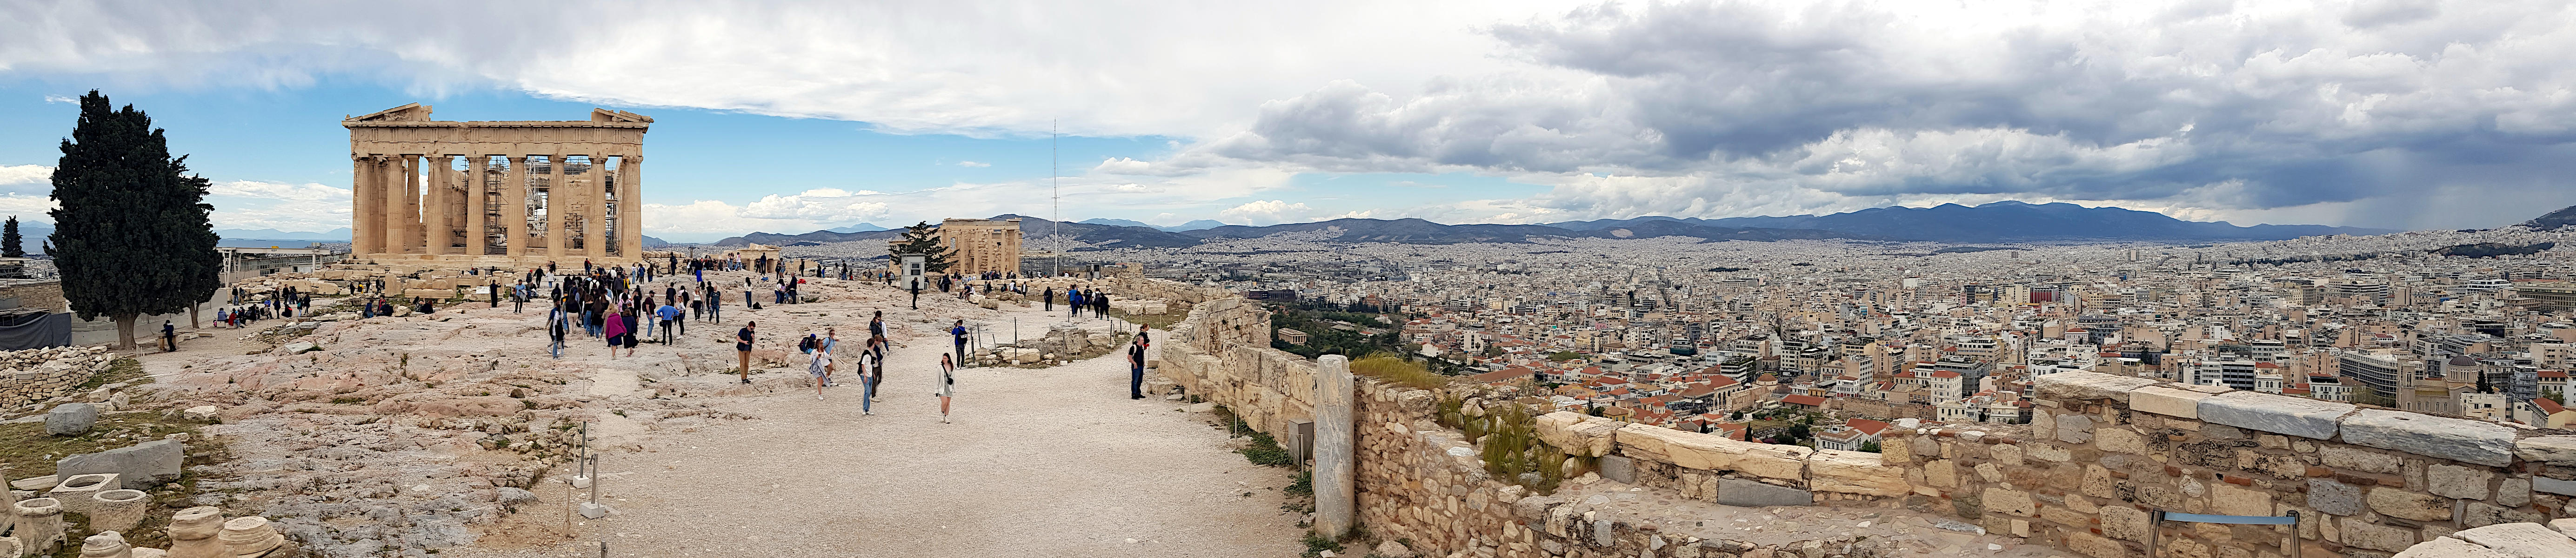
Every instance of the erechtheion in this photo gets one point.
(506, 193)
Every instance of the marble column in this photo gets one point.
(362, 196)
(596, 209)
(558, 199)
(475, 199)
(389, 227)
(1335, 474)
(630, 206)
(514, 206)
(435, 228)
(594, 218)
(414, 232)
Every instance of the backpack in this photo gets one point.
(805, 345)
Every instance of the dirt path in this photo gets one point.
(1039, 462)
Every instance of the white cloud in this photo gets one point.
(972, 164)
(1267, 212)
(254, 204)
(25, 174)
(60, 99)
(2356, 112)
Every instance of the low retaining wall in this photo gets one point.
(2102, 452)
(36, 375)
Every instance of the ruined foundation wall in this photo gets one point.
(2102, 452)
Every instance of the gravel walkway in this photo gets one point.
(1039, 462)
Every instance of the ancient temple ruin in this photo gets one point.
(496, 192)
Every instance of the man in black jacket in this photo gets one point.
(1136, 369)
(742, 344)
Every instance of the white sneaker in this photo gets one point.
(818, 397)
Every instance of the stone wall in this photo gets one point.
(2102, 452)
(1222, 352)
(35, 375)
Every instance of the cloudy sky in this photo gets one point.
(786, 117)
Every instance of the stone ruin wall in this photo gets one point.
(36, 375)
(2102, 451)
(1222, 352)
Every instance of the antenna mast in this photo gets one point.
(1056, 194)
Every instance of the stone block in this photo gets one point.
(2453, 481)
(2172, 402)
(2446, 547)
(71, 419)
(2087, 544)
(2074, 429)
(1853, 472)
(2357, 459)
(2513, 492)
(2399, 502)
(2375, 536)
(2554, 450)
(75, 491)
(2008, 502)
(2120, 440)
(2553, 486)
(2086, 386)
(2005, 454)
(2565, 526)
(1709, 452)
(593, 511)
(2479, 442)
(142, 465)
(2229, 499)
(1619, 468)
(2521, 539)
(2296, 416)
(1577, 433)
(2047, 452)
(201, 413)
(2481, 514)
(2124, 523)
(2334, 497)
(1739, 492)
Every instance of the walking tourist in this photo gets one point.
(958, 332)
(556, 324)
(169, 337)
(947, 385)
(616, 331)
(821, 368)
(867, 383)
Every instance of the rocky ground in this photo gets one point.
(452, 432)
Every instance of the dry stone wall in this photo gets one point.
(36, 375)
(2102, 452)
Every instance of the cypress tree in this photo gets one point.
(922, 239)
(131, 237)
(11, 244)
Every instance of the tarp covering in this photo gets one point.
(52, 329)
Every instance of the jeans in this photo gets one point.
(869, 386)
(1136, 382)
(556, 347)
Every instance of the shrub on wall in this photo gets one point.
(1514, 452)
(1399, 371)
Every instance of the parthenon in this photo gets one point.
(496, 192)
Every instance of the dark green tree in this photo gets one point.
(922, 238)
(131, 236)
(11, 244)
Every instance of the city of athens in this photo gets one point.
(1346, 279)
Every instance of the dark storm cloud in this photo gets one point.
(2240, 106)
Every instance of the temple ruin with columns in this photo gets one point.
(514, 193)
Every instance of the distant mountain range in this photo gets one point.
(1189, 226)
(857, 228)
(2553, 221)
(2009, 221)
(2005, 221)
(341, 234)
